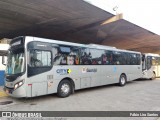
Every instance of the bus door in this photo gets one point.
(158, 67)
(143, 63)
(146, 66)
(149, 66)
(39, 66)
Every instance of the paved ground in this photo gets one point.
(139, 95)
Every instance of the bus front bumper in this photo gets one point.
(18, 93)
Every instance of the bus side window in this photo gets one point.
(75, 55)
(158, 60)
(123, 58)
(86, 57)
(115, 58)
(66, 55)
(138, 59)
(110, 57)
(63, 60)
(34, 62)
(76, 58)
(97, 57)
(149, 63)
(104, 59)
(70, 60)
(57, 56)
(40, 58)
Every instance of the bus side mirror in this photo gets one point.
(4, 60)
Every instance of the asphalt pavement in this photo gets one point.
(138, 95)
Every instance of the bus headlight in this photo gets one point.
(17, 85)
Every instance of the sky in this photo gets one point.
(144, 13)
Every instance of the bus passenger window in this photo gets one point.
(111, 59)
(96, 56)
(63, 60)
(104, 59)
(149, 62)
(76, 60)
(40, 58)
(34, 62)
(85, 60)
(70, 60)
(58, 58)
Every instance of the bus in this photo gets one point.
(150, 65)
(38, 66)
(3, 53)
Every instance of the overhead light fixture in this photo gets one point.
(115, 8)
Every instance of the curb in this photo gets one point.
(2, 93)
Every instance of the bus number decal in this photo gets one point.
(63, 71)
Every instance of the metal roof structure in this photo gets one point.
(73, 21)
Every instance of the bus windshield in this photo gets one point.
(16, 62)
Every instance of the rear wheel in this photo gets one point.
(122, 80)
(64, 89)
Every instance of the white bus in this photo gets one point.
(151, 65)
(38, 66)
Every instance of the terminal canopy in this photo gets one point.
(3, 49)
(74, 21)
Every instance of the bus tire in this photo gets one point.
(64, 89)
(153, 76)
(122, 80)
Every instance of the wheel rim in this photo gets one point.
(65, 88)
(123, 80)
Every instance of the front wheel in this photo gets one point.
(64, 89)
(122, 80)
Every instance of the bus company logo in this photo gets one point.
(91, 69)
(85, 70)
(63, 71)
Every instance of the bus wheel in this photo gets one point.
(122, 80)
(153, 76)
(64, 89)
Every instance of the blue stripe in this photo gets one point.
(1, 77)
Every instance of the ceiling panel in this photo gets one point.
(72, 20)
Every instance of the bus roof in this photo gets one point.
(80, 45)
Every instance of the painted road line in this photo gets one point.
(3, 94)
